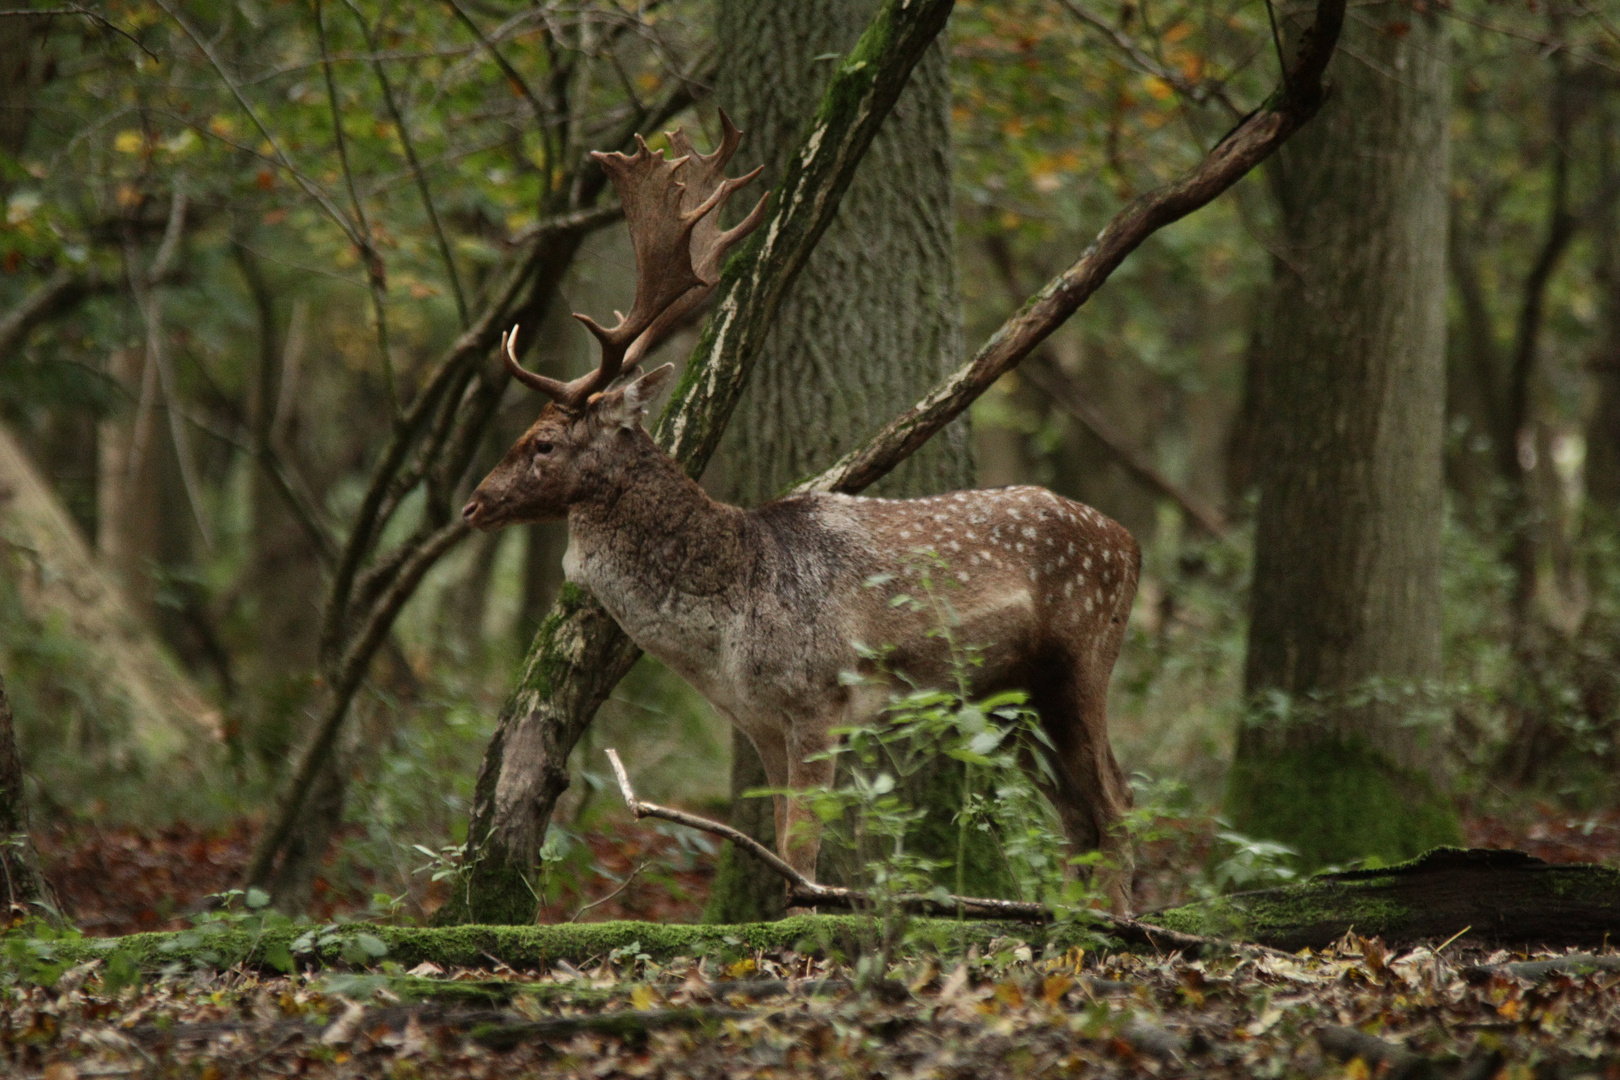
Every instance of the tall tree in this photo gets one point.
(1345, 632)
(872, 323)
(23, 884)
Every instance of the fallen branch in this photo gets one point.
(802, 892)
(1502, 897)
(1392, 1060)
(1536, 970)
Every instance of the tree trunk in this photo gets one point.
(1344, 643)
(872, 323)
(285, 568)
(58, 580)
(26, 890)
(1598, 642)
(127, 484)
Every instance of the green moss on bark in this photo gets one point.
(536, 947)
(1334, 802)
(492, 891)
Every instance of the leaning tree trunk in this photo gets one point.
(26, 892)
(1344, 643)
(872, 323)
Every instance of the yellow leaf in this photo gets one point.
(1158, 89)
(742, 967)
(643, 997)
(223, 126)
(1177, 32)
(1055, 987)
(128, 142)
(1357, 1070)
(1009, 994)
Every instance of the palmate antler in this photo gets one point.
(672, 209)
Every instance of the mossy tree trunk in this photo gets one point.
(26, 891)
(1344, 643)
(579, 653)
(872, 323)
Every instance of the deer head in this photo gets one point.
(672, 210)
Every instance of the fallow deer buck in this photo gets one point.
(761, 610)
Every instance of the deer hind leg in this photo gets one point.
(1091, 795)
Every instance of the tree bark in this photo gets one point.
(26, 890)
(59, 580)
(872, 322)
(1491, 896)
(127, 484)
(285, 567)
(1598, 642)
(1344, 642)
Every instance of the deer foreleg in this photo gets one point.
(799, 829)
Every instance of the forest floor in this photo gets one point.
(1354, 1010)
(122, 879)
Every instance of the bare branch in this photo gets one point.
(518, 82)
(99, 20)
(804, 892)
(350, 672)
(1050, 378)
(376, 274)
(311, 189)
(1046, 375)
(1195, 90)
(1250, 143)
(416, 166)
(58, 295)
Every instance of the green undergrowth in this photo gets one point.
(394, 949)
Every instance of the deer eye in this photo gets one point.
(542, 449)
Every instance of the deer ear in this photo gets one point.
(626, 406)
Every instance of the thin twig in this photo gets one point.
(311, 189)
(416, 166)
(1198, 91)
(99, 20)
(623, 885)
(376, 273)
(517, 81)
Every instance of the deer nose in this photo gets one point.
(469, 513)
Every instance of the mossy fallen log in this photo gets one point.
(1500, 897)
(523, 948)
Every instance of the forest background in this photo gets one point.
(246, 380)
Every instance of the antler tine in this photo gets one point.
(550, 387)
(707, 188)
(671, 209)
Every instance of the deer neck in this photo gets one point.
(660, 555)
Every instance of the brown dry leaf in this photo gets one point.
(342, 1030)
